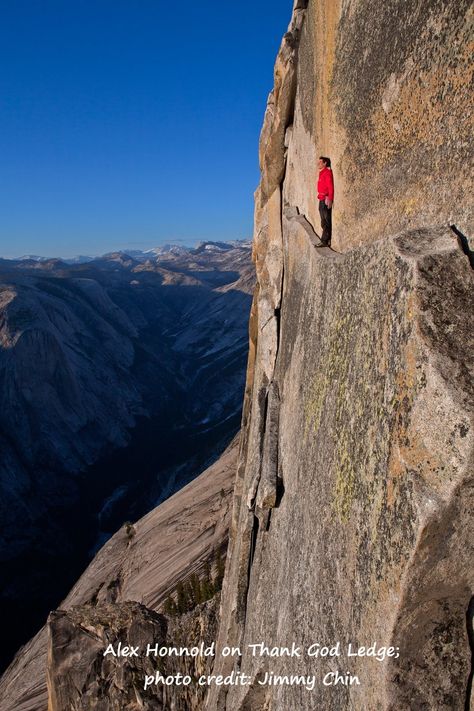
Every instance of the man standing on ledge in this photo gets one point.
(325, 197)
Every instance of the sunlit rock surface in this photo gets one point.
(353, 507)
(370, 537)
(384, 90)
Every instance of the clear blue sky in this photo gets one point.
(128, 123)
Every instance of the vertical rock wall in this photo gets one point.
(384, 89)
(353, 509)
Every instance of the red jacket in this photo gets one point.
(325, 184)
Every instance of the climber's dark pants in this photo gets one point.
(326, 222)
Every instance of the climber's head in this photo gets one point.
(324, 162)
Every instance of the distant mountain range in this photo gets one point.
(121, 378)
(144, 255)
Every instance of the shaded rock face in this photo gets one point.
(141, 357)
(140, 565)
(353, 507)
(81, 677)
(193, 628)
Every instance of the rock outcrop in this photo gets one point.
(80, 676)
(353, 509)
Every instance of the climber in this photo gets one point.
(325, 197)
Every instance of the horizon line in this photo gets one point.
(171, 243)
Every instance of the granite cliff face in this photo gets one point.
(353, 515)
(384, 90)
